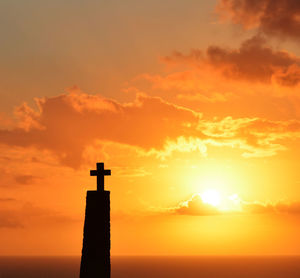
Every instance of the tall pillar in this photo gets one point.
(95, 259)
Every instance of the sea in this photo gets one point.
(157, 267)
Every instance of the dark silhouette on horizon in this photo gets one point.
(95, 259)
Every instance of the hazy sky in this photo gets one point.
(193, 105)
(97, 45)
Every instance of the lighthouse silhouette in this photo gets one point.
(95, 258)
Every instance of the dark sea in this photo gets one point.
(156, 267)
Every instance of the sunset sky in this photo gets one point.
(193, 105)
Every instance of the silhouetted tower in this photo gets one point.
(95, 259)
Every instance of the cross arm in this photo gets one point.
(93, 172)
(107, 172)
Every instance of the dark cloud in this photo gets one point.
(25, 179)
(9, 221)
(279, 18)
(7, 200)
(9, 217)
(254, 60)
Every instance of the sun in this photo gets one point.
(211, 196)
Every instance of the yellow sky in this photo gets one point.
(193, 105)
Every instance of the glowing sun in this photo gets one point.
(211, 196)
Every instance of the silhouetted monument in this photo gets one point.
(95, 259)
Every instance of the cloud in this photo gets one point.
(22, 215)
(9, 220)
(257, 137)
(131, 172)
(7, 200)
(73, 129)
(279, 18)
(277, 208)
(32, 214)
(9, 217)
(254, 61)
(195, 206)
(254, 130)
(5, 121)
(25, 179)
(181, 144)
(191, 85)
(69, 123)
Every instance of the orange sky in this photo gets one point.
(193, 105)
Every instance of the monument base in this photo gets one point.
(95, 259)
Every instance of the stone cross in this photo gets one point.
(100, 173)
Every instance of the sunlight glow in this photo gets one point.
(211, 196)
(223, 202)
